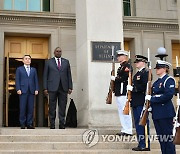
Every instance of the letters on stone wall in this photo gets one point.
(102, 51)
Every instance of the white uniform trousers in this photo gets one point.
(125, 120)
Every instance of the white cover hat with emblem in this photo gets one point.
(122, 52)
(161, 64)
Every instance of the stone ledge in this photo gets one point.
(49, 18)
(40, 18)
(150, 24)
(37, 14)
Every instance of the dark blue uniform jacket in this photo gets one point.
(162, 93)
(140, 80)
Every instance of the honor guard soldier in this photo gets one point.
(138, 89)
(163, 112)
(121, 81)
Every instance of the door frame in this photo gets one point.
(7, 91)
(7, 56)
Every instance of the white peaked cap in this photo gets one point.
(122, 52)
(161, 63)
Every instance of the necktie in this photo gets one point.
(28, 70)
(59, 65)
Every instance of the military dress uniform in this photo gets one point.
(163, 111)
(139, 84)
(121, 82)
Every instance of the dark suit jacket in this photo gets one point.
(52, 76)
(23, 81)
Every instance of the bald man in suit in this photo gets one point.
(57, 83)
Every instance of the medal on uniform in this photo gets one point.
(138, 77)
(126, 69)
(160, 85)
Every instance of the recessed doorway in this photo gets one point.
(41, 104)
(15, 48)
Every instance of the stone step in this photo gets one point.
(67, 138)
(111, 151)
(47, 131)
(41, 138)
(69, 146)
(41, 131)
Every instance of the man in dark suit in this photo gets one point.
(57, 84)
(27, 87)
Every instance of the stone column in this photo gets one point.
(96, 20)
(1, 75)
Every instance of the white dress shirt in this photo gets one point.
(27, 67)
(57, 60)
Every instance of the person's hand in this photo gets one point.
(150, 109)
(46, 92)
(178, 101)
(148, 97)
(69, 91)
(113, 78)
(19, 92)
(129, 87)
(36, 92)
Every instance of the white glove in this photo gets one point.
(129, 87)
(150, 109)
(113, 78)
(178, 101)
(148, 97)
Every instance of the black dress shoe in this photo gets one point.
(52, 127)
(140, 149)
(123, 134)
(30, 127)
(22, 126)
(61, 127)
(120, 134)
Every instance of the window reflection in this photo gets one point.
(8, 4)
(34, 5)
(27, 5)
(20, 5)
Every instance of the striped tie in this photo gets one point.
(28, 70)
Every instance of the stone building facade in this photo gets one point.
(39, 26)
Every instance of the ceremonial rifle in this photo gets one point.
(176, 128)
(127, 106)
(112, 83)
(144, 113)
